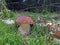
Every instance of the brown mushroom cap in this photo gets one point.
(24, 20)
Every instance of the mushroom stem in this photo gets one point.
(24, 29)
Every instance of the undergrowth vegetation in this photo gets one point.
(9, 34)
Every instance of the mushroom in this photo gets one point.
(24, 25)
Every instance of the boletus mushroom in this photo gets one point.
(24, 25)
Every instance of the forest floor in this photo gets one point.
(9, 34)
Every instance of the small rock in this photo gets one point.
(9, 21)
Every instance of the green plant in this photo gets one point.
(10, 39)
(9, 36)
(37, 41)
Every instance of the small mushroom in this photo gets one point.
(24, 25)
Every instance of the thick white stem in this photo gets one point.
(24, 29)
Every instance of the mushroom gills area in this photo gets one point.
(24, 29)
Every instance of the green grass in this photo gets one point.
(37, 41)
(9, 34)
